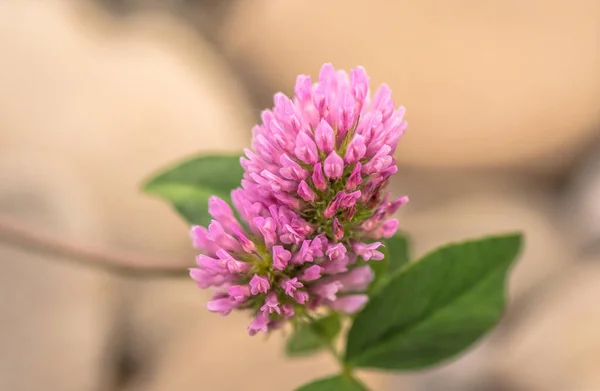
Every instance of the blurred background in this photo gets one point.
(503, 101)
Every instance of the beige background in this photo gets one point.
(502, 101)
(523, 74)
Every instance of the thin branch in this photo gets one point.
(17, 234)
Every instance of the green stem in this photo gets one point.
(346, 368)
(335, 353)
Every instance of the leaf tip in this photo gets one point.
(516, 238)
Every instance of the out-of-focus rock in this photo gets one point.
(557, 344)
(208, 16)
(448, 207)
(55, 318)
(115, 102)
(483, 82)
(581, 203)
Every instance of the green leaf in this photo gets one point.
(434, 308)
(396, 252)
(399, 248)
(334, 383)
(188, 185)
(311, 337)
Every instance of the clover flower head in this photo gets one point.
(312, 204)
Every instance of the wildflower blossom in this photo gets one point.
(312, 202)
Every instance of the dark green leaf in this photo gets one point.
(311, 337)
(334, 383)
(396, 252)
(434, 308)
(188, 186)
